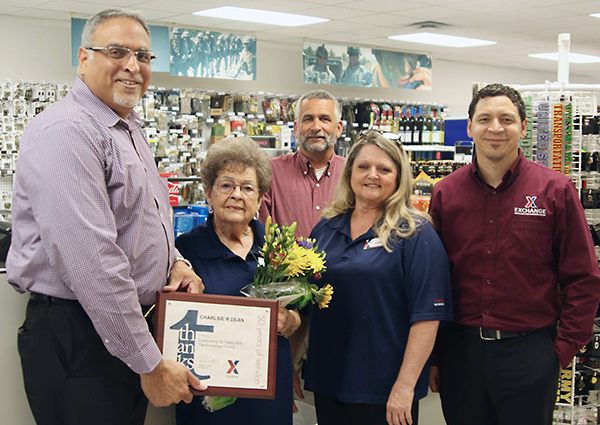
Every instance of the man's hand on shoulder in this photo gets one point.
(169, 384)
(182, 277)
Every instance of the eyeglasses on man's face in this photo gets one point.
(227, 187)
(119, 53)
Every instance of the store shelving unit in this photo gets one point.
(555, 138)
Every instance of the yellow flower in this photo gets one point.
(300, 260)
(323, 295)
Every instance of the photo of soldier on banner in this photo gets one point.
(364, 67)
(212, 54)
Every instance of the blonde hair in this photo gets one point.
(399, 218)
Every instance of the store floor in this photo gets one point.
(430, 412)
(429, 408)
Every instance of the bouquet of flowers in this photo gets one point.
(285, 266)
(283, 270)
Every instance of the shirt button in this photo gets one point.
(491, 220)
(487, 312)
(318, 207)
(489, 251)
(318, 185)
(106, 340)
(494, 192)
(488, 281)
(306, 172)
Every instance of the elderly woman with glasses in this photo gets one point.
(368, 351)
(224, 252)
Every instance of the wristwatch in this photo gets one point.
(185, 260)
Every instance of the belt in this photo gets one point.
(146, 309)
(490, 334)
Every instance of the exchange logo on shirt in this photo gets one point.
(373, 243)
(439, 302)
(530, 208)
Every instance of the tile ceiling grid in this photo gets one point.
(520, 27)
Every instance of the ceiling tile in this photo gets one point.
(434, 13)
(43, 14)
(296, 32)
(334, 12)
(379, 20)
(581, 7)
(9, 10)
(72, 6)
(488, 6)
(175, 5)
(378, 5)
(22, 3)
(288, 6)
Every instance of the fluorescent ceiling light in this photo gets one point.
(441, 40)
(573, 57)
(595, 15)
(260, 16)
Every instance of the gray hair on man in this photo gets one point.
(87, 35)
(320, 94)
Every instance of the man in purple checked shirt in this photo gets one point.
(93, 242)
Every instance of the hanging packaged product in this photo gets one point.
(218, 131)
(217, 105)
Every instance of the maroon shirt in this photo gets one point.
(296, 194)
(511, 247)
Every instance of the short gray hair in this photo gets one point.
(236, 152)
(87, 35)
(320, 94)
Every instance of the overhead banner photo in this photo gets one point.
(360, 66)
(212, 54)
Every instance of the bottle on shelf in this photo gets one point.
(407, 126)
(442, 126)
(428, 128)
(416, 131)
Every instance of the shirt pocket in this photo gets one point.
(530, 242)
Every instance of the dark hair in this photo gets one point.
(493, 90)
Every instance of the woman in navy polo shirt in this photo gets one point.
(368, 351)
(223, 252)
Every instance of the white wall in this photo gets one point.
(39, 50)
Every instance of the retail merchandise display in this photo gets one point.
(563, 134)
(180, 125)
(19, 102)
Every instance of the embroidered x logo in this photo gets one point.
(531, 202)
(232, 368)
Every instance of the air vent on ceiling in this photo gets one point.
(429, 24)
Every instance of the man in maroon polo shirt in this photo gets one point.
(522, 261)
(304, 181)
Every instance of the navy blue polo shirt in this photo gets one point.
(357, 345)
(225, 273)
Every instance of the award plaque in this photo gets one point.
(229, 343)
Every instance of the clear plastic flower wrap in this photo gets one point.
(215, 403)
(284, 267)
